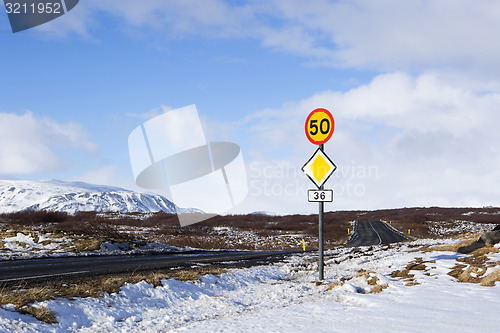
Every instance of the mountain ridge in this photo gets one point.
(71, 197)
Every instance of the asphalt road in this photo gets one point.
(51, 268)
(11, 271)
(374, 233)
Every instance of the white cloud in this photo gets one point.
(79, 20)
(381, 35)
(399, 141)
(151, 113)
(29, 144)
(390, 35)
(179, 17)
(183, 15)
(424, 104)
(295, 40)
(103, 175)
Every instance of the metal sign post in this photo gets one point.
(319, 129)
(320, 229)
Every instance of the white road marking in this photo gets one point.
(379, 238)
(43, 276)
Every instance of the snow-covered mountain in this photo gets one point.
(70, 197)
(264, 212)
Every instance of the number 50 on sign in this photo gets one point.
(319, 126)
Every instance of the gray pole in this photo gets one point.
(320, 240)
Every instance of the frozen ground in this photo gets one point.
(285, 297)
(459, 227)
(34, 244)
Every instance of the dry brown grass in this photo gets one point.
(491, 279)
(411, 283)
(334, 285)
(485, 250)
(468, 243)
(364, 273)
(404, 274)
(371, 280)
(469, 269)
(39, 312)
(418, 264)
(472, 269)
(21, 299)
(456, 270)
(13, 233)
(377, 289)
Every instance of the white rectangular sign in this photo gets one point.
(320, 195)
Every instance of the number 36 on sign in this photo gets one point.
(320, 195)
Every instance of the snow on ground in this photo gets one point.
(35, 244)
(459, 227)
(29, 244)
(284, 297)
(246, 237)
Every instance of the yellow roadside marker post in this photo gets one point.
(304, 245)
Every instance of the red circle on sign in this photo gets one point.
(315, 129)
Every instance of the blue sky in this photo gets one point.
(413, 87)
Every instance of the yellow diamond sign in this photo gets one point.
(319, 168)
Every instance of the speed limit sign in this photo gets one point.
(319, 126)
